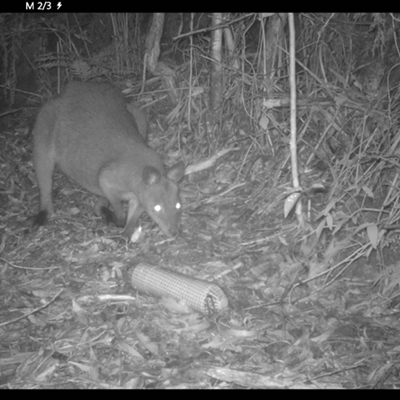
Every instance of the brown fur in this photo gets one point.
(88, 132)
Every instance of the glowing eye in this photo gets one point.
(178, 206)
(157, 208)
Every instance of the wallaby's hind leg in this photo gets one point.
(44, 163)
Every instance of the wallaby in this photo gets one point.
(89, 133)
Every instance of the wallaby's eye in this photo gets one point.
(178, 206)
(157, 208)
